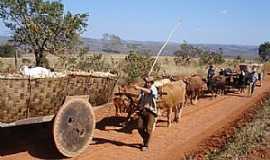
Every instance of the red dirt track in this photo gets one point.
(111, 142)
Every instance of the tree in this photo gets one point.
(111, 43)
(138, 65)
(132, 47)
(185, 53)
(41, 25)
(264, 51)
(114, 39)
(211, 57)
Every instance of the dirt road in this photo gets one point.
(111, 142)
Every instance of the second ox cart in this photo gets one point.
(68, 100)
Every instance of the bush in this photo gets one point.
(115, 66)
(185, 53)
(211, 58)
(95, 62)
(181, 58)
(137, 66)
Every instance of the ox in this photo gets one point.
(172, 99)
(126, 100)
(194, 88)
(217, 85)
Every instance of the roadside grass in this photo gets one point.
(252, 135)
(167, 63)
(168, 66)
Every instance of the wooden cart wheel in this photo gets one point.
(73, 127)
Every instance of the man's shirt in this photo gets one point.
(148, 101)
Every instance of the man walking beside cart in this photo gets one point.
(148, 111)
(210, 75)
(254, 79)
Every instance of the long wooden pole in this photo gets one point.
(164, 45)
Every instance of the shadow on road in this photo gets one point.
(36, 139)
(110, 122)
(117, 143)
(118, 124)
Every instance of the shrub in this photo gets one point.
(94, 62)
(184, 54)
(211, 58)
(181, 58)
(137, 65)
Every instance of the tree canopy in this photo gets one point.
(42, 25)
(212, 57)
(264, 51)
(185, 53)
(111, 43)
(137, 65)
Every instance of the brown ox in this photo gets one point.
(219, 85)
(125, 100)
(173, 98)
(194, 87)
(121, 105)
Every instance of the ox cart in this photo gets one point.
(259, 68)
(238, 79)
(68, 100)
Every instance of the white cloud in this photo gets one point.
(224, 12)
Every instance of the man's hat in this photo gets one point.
(148, 79)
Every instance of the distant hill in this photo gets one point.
(99, 45)
(153, 47)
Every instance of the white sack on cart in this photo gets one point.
(36, 72)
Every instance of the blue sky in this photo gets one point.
(205, 21)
